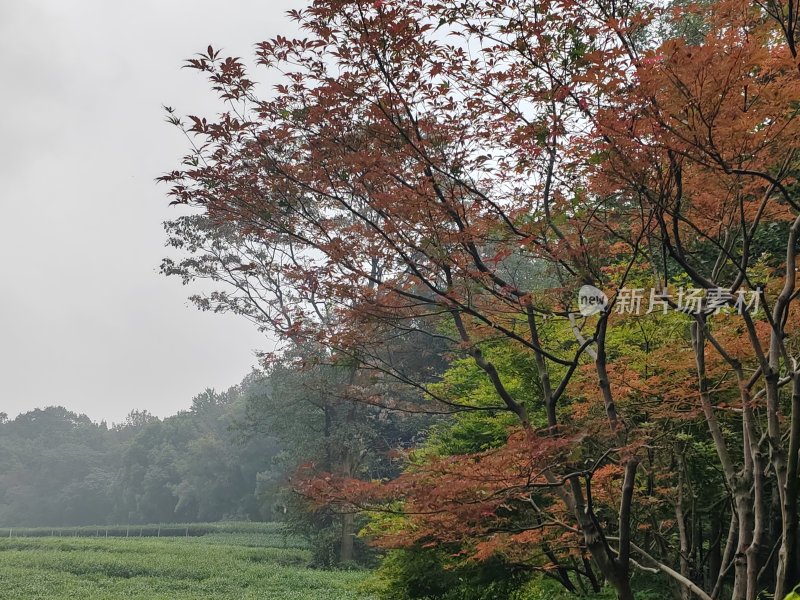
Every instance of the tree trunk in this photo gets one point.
(714, 553)
(346, 545)
(788, 575)
(683, 536)
(616, 569)
(744, 509)
(587, 565)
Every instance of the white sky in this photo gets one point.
(86, 321)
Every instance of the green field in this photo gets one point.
(255, 564)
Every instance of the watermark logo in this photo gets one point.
(694, 301)
(591, 300)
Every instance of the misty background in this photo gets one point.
(86, 320)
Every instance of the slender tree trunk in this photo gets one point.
(587, 565)
(784, 461)
(738, 482)
(727, 554)
(348, 467)
(779, 459)
(759, 529)
(347, 519)
(543, 371)
(744, 509)
(346, 544)
(714, 552)
(683, 536)
(562, 572)
(615, 567)
(788, 573)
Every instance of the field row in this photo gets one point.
(244, 565)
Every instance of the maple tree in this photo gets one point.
(472, 164)
(719, 123)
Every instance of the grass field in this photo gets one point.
(222, 566)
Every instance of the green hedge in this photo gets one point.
(151, 530)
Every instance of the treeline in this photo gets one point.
(231, 456)
(61, 469)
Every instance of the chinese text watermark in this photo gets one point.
(637, 301)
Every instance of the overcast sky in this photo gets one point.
(86, 321)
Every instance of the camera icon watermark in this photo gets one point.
(591, 301)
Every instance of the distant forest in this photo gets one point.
(230, 456)
(60, 468)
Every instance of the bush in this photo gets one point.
(434, 574)
(321, 528)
